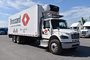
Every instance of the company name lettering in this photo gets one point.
(14, 21)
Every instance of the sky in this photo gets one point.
(72, 10)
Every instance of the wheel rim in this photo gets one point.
(54, 47)
(18, 41)
(13, 39)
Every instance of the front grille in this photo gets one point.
(75, 36)
(84, 32)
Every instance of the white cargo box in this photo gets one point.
(26, 23)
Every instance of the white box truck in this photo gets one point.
(44, 26)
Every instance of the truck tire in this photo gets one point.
(14, 39)
(55, 46)
(18, 39)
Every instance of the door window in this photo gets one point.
(46, 24)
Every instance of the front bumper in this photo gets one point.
(85, 35)
(67, 45)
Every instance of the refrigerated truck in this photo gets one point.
(44, 26)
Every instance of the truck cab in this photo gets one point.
(85, 32)
(59, 35)
(76, 26)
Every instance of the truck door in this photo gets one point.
(46, 29)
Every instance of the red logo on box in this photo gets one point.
(25, 19)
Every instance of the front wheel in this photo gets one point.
(55, 46)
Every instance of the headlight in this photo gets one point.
(64, 37)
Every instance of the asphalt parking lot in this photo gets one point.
(12, 51)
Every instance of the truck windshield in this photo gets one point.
(59, 24)
(87, 27)
(75, 27)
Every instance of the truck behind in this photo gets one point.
(85, 32)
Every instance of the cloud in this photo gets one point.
(17, 4)
(75, 13)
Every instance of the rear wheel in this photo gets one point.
(14, 39)
(18, 39)
(55, 46)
